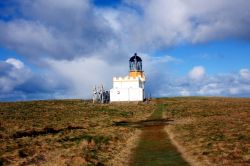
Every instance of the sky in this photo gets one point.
(60, 49)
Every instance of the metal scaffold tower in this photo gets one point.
(100, 95)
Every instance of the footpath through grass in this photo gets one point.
(155, 148)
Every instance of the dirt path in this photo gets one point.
(155, 148)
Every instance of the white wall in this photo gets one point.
(127, 89)
(126, 94)
(126, 84)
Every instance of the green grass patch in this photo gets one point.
(155, 148)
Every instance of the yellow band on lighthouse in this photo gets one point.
(135, 74)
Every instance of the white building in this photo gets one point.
(131, 87)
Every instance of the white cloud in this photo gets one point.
(197, 73)
(184, 92)
(19, 82)
(245, 74)
(112, 17)
(230, 84)
(15, 73)
(85, 73)
(85, 45)
(16, 63)
(240, 90)
(61, 29)
(212, 89)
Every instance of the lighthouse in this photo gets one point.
(131, 87)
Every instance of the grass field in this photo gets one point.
(66, 132)
(213, 131)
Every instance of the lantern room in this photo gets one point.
(135, 66)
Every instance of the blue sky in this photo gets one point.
(60, 48)
(217, 56)
(107, 3)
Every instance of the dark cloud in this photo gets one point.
(4, 68)
(40, 84)
(18, 82)
(56, 30)
(65, 30)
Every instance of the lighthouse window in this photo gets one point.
(135, 65)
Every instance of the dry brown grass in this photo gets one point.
(125, 155)
(211, 131)
(65, 132)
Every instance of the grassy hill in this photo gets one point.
(66, 132)
(210, 131)
(215, 131)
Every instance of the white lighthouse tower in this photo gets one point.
(131, 87)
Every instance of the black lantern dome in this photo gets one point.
(135, 63)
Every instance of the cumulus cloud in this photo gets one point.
(85, 73)
(245, 74)
(197, 73)
(47, 29)
(18, 82)
(31, 39)
(13, 73)
(16, 63)
(217, 85)
(184, 92)
(170, 22)
(80, 44)
(64, 30)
